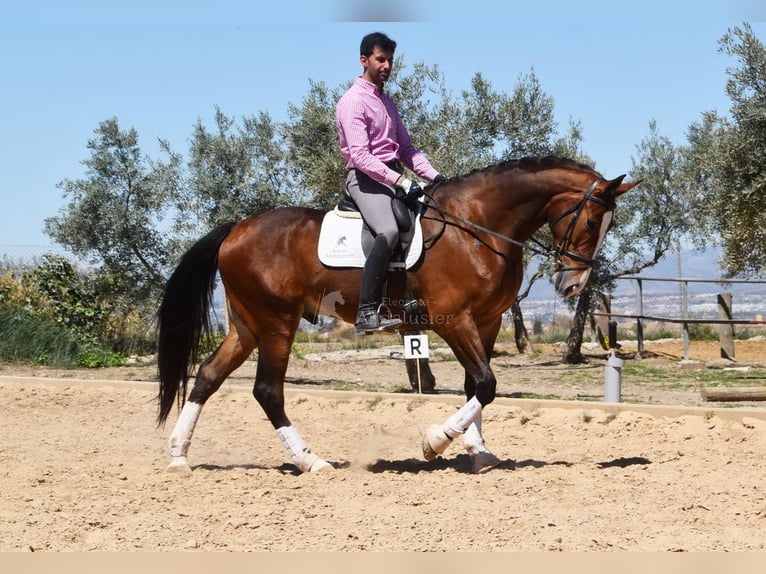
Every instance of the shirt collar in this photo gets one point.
(368, 86)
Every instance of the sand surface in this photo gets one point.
(82, 465)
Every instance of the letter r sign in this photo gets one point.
(416, 346)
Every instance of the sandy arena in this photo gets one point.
(83, 467)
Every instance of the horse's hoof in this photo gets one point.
(179, 465)
(435, 442)
(312, 463)
(484, 461)
(320, 465)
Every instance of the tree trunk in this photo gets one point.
(521, 335)
(573, 354)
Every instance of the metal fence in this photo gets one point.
(23, 256)
(687, 301)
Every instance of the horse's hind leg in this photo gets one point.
(273, 356)
(211, 374)
(473, 442)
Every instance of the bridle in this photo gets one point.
(562, 249)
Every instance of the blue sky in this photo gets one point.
(67, 66)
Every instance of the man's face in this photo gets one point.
(378, 66)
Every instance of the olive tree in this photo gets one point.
(114, 215)
(724, 159)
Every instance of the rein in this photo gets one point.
(443, 212)
(542, 249)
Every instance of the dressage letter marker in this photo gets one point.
(416, 347)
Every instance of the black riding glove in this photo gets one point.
(439, 178)
(411, 188)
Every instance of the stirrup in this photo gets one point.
(369, 321)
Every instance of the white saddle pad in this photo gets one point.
(340, 241)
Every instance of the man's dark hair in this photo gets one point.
(378, 39)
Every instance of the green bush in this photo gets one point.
(703, 332)
(28, 338)
(51, 315)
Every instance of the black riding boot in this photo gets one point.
(368, 320)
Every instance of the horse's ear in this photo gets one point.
(616, 186)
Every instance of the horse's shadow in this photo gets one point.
(624, 462)
(228, 467)
(461, 463)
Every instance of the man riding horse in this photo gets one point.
(375, 146)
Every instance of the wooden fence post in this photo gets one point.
(640, 319)
(685, 315)
(725, 330)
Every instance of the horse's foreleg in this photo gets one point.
(466, 421)
(299, 452)
(480, 384)
(273, 357)
(230, 355)
(473, 441)
(439, 437)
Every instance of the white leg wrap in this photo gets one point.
(437, 438)
(180, 439)
(482, 459)
(462, 419)
(299, 452)
(472, 439)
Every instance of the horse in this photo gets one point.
(477, 226)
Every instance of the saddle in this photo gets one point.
(345, 240)
(406, 213)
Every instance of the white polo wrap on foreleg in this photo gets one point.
(462, 419)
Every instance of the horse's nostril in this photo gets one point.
(570, 290)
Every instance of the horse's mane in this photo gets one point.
(532, 164)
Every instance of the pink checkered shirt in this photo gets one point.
(372, 134)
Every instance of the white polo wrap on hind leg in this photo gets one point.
(481, 458)
(299, 451)
(180, 439)
(462, 419)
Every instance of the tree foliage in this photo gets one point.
(724, 159)
(114, 216)
(132, 216)
(313, 151)
(234, 170)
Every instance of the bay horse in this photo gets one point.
(477, 227)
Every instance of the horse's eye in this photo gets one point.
(590, 224)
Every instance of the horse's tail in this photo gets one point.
(183, 317)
